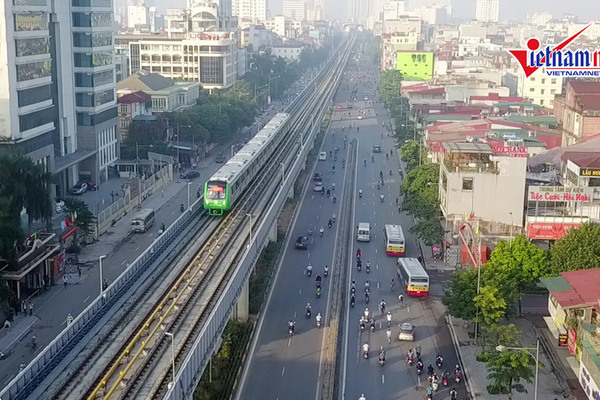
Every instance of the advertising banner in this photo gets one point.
(560, 194)
(572, 344)
(549, 230)
(587, 383)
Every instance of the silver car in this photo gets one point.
(407, 332)
(318, 187)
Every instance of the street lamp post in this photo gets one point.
(250, 216)
(189, 204)
(511, 229)
(537, 361)
(178, 159)
(100, 262)
(172, 336)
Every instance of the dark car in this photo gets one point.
(79, 188)
(189, 175)
(318, 177)
(220, 158)
(301, 243)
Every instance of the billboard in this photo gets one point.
(415, 65)
(590, 172)
(549, 230)
(560, 194)
(587, 383)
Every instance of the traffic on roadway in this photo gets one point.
(387, 330)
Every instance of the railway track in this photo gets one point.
(137, 366)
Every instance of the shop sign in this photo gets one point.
(563, 339)
(587, 383)
(512, 151)
(590, 172)
(560, 194)
(549, 230)
(572, 343)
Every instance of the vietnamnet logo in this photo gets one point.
(556, 60)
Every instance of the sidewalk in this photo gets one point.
(549, 386)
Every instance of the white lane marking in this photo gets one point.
(8, 380)
(124, 261)
(283, 371)
(378, 285)
(382, 378)
(376, 266)
(300, 292)
(86, 299)
(289, 343)
(137, 248)
(408, 308)
(418, 380)
(151, 234)
(295, 314)
(376, 251)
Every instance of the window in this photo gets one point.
(92, 3)
(31, 22)
(95, 99)
(552, 91)
(532, 89)
(211, 70)
(29, 2)
(37, 118)
(93, 60)
(467, 184)
(542, 91)
(553, 81)
(86, 119)
(34, 95)
(97, 39)
(541, 102)
(32, 47)
(543, 81)
(89, 20)
(34, 70)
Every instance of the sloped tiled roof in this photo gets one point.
(156, 81)
(135, 97)
(583, 288)
(581, 87)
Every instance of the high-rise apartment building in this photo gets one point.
(252, 10)
(294, 9)
(487, 10)
(57, 86)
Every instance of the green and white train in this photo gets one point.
(224, 188)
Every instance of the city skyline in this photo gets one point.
(461, 9)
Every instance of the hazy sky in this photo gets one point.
(587, 10)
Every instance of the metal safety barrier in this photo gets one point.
(28, 379)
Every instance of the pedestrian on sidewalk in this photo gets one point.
(69, 319)
(30, 308)
(7, 325)
(162, 192)
(23, 306)
(79, 270)
(65, 280)
(401, 299)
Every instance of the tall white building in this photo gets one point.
(539, 18)
(137, 16)
(487, 10)
(294, 9)
(57, 87)
(252, 10)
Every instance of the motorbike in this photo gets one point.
(308, 313)
(365, 354)
(372, 326)
(181, 208)
(330, 224)
(410, 361)
(352, 302)
(381, 360)
(318, 323)
(434, 386)
(360, 194)
(457, 376)
(326, 273)
(445, 379)
(359, 266)
(321, 231)
(309, 272)
(381, 198)
(368, 269)
(291, 330)
(318, 292)
(367, 297)
(439, 362)
(334, 199)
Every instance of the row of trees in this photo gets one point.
(514, 269)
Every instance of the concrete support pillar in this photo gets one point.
(273, 232)
(242, 308)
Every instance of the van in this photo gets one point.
(363, 233)
(323, 156)
(143, 220)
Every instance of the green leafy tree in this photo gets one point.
(10, 232)
(507, 368)
(409, 153)
(84, 218)
(390, 85)
(420, 190)
(514, 267)
(577, 250)
(428, 230)
(460, 298)
(492, 306)
(144, 133)
(503, 335)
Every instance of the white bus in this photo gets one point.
(363, 233)
(143, 220)
(394, 240)
(413, 277)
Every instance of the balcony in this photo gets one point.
(473, 166)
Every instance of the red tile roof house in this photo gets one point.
(574, 305)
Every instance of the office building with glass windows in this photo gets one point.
(57, 87)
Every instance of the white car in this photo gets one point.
(359, 117)
(322, 156)
(407, 332)
(318, 187)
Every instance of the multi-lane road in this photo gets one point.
(281, 366)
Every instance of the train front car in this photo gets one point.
(216, 197)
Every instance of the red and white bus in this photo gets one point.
(394, 240)
(413, 277)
